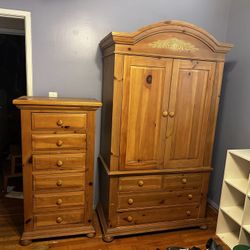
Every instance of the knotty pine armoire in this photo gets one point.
(161, 89)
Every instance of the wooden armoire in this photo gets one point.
(161, 90)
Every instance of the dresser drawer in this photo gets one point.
(58, 121)
(144, 200)
(59, 182)
(59, 219)
(59, 161)
(157, 215)
(58, 141)
(58, 200)
(182, 181)
(140, 183)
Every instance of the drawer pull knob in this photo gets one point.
(188, 213)
(59, 143)
(59, 202)
(140, 183)
(129, 218)
(165, 113)
(171, 114)
(59, 163)
(184, 180)
(59, 123)
(130, 201)
(190, 196)
(59, 220)
(59, 183)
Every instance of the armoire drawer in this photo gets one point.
(59, 182)
(157, 215)
(140, 183)
(182, 181)
(146, 200)
(59, 161)
(59, 219)
(59, 200)
(58, 121)
(58, 141)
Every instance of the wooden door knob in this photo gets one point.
(188, 213)
(59, 143)
(59, 219)
(184, 180)
(140, 183)
(59, 163)
(59, 202)
(171, 114)
(129, 218)
(59, 183)
(130, 201)
(190, 196)
(165, 113)
(59, 123)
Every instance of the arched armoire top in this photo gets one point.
(167, 27)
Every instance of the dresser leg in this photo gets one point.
(25, 242)
(91, 235)
(203, 227)
(107, 238)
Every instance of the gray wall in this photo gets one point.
(233, 128)
(65, 36)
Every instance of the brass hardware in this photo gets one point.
(149, 79)
(184, 180)
(190, 196)
(59, 123)
(129, 218)
(59, 163)
(171, 114)
(59, 219)
(165, 113)
(59, 202)
(130, 201)
(188, 213)
(59, 183)
(140, 183)
(59, 143)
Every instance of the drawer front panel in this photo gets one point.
(182, 181)
(59, 182)
(58, 141)
(131, 201)
(59, 161)
(58, 200)
(59, 219)
(157, 215)
(58, 121)
(140, 183)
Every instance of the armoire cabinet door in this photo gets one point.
(189, 106)
(144, 105)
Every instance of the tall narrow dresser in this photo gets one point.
(58, 137)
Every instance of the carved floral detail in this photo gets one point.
(174, 44)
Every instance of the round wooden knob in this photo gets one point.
(59, 163)
(190, 196)
(129, 218)
(130, 201)
(171, 114)
(184, 180)
(188, 213)
(59, 219)
(59, 143)
(140, 183)
(165, 113)
(59, 202)
(59, 123)
(59, 183)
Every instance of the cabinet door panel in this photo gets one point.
(189, 106)
(145, 96)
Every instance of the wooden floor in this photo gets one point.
(11, 219)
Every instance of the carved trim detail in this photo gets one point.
(174, 44)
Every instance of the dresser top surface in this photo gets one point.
(62, 101)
